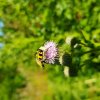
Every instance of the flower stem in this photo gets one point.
(93, 50)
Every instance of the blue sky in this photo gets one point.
(1, 24)
(1, 45)
(1, 33)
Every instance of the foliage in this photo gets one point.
(74, 25)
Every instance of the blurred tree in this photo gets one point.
(28, 23)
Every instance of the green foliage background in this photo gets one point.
(30, 23)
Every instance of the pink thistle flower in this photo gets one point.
(51, 52)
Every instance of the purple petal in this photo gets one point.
(51, 52)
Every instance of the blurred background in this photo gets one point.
(74, 25)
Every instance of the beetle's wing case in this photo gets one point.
(42, 48)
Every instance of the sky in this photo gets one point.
(1, 24)
(1, 33)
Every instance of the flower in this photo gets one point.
(65, 59)
(66, 71)
(68, 40)
(51, 52)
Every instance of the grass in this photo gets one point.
(39, 86)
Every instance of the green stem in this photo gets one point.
(91, 51)
(81, 31)
(83, 44)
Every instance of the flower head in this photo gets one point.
(51, 52)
